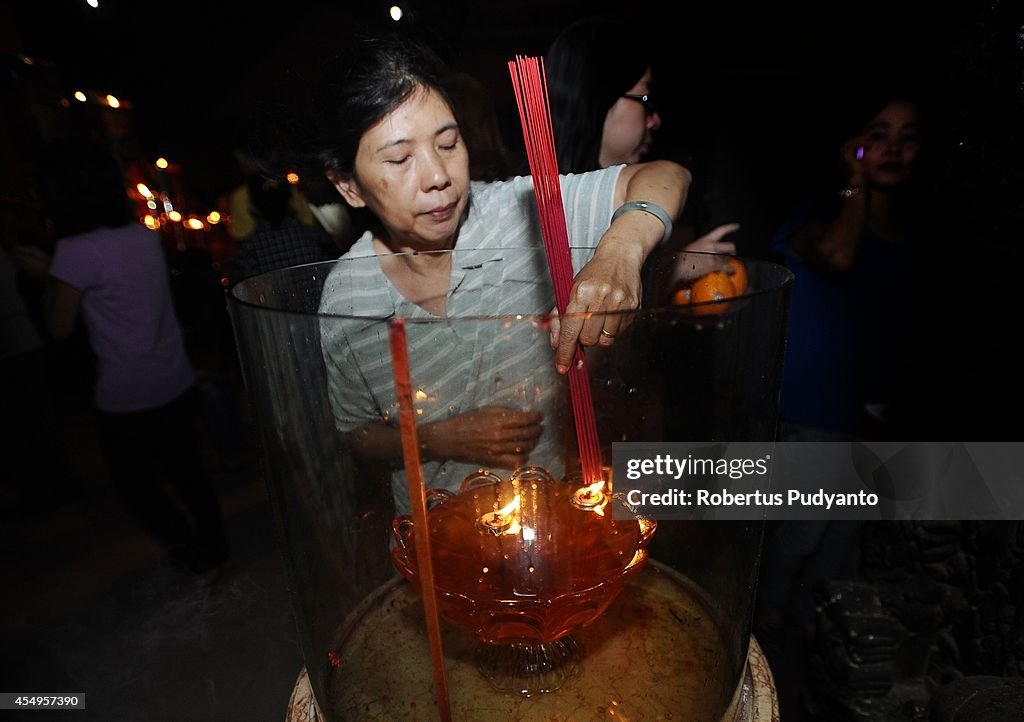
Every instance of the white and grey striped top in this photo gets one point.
(479, 353)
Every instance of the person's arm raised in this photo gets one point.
(648, 194)
(833, 247)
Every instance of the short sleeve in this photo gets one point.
(75, 264)
(588, 199)
(352, 401)
(355, 351)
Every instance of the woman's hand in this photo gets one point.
(712, 242)
(492, 436)
(704, 256)
(852, 153)
(609, 283)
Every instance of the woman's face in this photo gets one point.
(628, 128)
(412, 172)
(892, 143)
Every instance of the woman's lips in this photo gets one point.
(441, 213)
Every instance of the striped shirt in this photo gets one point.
(498, 269)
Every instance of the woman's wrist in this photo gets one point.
(855, 186)
(652, 209)
(625, 249)
(428, 440)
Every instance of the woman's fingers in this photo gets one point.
(517, 439)
(554, 325)
(719, 233)
(712, 242)
(591, 319)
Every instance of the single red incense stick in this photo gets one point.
(418, 501)
(538, 134)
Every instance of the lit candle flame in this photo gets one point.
(591, 498)
(512, 506)
(502, 521)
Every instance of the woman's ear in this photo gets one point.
(347, 186)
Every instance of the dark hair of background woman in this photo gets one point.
(489, 159)
(589, 66)
(83, 187)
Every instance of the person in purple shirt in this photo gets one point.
(111, 271)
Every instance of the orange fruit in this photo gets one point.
(739, 276)
(682, 296)
(714, 286)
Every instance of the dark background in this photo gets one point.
(746, 85)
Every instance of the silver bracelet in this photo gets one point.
(647, 207)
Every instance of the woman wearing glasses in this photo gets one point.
(599, 82)
(603, 108)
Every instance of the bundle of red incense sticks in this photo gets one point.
(530, 87)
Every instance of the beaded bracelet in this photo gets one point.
(647, 207)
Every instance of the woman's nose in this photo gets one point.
(653, 121)
(435, 174)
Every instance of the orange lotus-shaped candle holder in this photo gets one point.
(525, 561)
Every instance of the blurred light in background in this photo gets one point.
(292, 178)
(214, 218)
(396, 13)
(144, 190)
(113, 102)
(161, 163)
(80, 96)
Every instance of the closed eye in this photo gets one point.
(398, 161)
(448, 138)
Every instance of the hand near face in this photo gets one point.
(853, 152)
(491, 436)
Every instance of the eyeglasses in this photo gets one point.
(646, 100)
